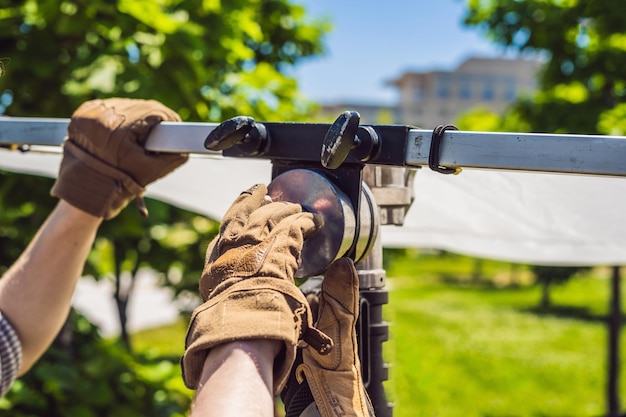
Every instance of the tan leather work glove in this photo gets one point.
(248, 286)
(335, 379)
(104, 162)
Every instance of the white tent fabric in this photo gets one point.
(514, 216)
(204, 184)
(551, 219)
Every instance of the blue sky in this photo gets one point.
(374, 41)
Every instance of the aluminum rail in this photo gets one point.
(400, 145)
(189, 137)
(580, 154)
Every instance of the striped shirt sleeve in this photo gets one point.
(10, 355)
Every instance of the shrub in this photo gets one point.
(83, 375)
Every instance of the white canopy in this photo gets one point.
(514, 216)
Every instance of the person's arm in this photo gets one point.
(237, 379)
(36, 292)
(241, 344)
(104, 166)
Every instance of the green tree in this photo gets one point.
(25, 202)
(547, 276)
(170, 242)
(85, 375)
(208, 60)
(584, 46)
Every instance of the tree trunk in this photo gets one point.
(613, 362)
(477, 270)
(546, 302)
(122, 294)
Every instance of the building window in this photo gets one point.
(510, 91)
(465, 87)
(418, 93)
(489, 89)
(443, 86)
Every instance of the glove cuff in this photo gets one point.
(254, 308)
(92, 185)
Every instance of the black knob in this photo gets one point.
(251, 137)
(229, 133)
(340, 139)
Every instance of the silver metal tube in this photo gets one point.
(572, 154)
(170, 137)
(580, 154)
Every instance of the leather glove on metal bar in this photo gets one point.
(335, 379)
(248, 285)
(105, 164)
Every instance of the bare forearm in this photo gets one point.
(36, 292)
(250, 364)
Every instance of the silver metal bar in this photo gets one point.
(580, 154)
(165, 137)
(574, 154)
(32, 131)
(180, 137)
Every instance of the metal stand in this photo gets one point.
(373, 331)
(392, 188)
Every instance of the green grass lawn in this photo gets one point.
(471, 348)
(461, 351)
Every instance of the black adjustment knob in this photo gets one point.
(229, 133)
(340, 139)
(243, 131)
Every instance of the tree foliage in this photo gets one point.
(208, 60)
(25, 202)
(169, 242)
(547, 276)
(584, 45)
(84, 375)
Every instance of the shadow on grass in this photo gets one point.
(558, 311)
(568, 312)
(478, 283)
